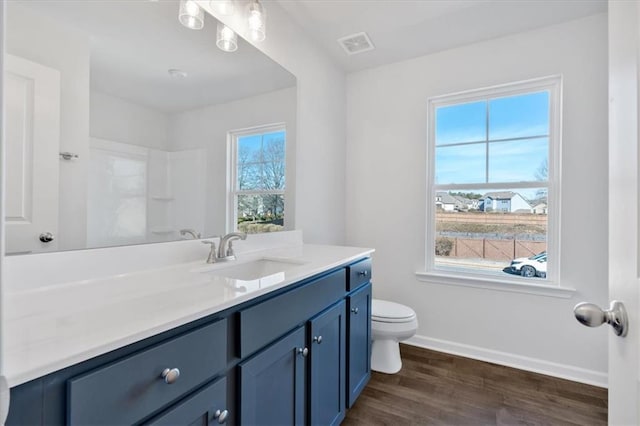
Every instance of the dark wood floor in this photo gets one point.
(437, 388)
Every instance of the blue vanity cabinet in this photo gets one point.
(299, 355)
(273, 383)
(359, 342)
(327, 335)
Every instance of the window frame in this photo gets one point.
(443, 275)
(232, 170)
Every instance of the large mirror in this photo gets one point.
(123, 126)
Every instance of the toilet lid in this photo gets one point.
(383, 310)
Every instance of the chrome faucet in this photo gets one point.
(192, 232)
(225, 250)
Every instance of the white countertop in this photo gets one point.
(53, 327)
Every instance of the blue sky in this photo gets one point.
(253, 143)
(509, 161)
(253, 174)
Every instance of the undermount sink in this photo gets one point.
(254, 270)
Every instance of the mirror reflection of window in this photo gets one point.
(259, 172)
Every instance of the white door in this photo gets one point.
(624, 360)
(32, 135)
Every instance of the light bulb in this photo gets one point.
(256, 21)
(191, 7)
(225, 7)
(226, 39)
(191, 15)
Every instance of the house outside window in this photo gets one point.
(493, 162)
(258, 170)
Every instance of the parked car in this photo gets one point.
(534, 266)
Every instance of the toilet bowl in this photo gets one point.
(390, 323)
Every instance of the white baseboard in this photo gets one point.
(563, 371)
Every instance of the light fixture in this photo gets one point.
(225, 7)
(226, 39)
(191, 15)
(257, 21)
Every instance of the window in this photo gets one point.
(257, 196)
(493, 183)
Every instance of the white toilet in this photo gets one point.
(390, 323)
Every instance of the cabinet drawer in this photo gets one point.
(359, 273)
(205, 407)
(271, 319)
(129, 390)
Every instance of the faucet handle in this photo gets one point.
(212, 254)
(230, 252)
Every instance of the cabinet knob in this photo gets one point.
(355, 311)
(363, 273)
(170, 375)
(317, 339)
(221, 416)
(303, 351)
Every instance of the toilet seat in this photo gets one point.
(390, 312)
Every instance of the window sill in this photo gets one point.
(512, 286)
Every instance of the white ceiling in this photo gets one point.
(403, 29)
(135, 43)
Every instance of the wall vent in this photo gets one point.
(356, 43)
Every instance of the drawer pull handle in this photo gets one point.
(317, 339)
(221, 416)
(170, 375)
(303, 351)
(363, 273)
(354, 310)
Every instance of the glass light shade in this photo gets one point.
(257, 21)
(226, 38)
(225, 7)
(191, 15)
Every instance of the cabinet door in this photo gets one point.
(206, 407)
(327, 357)
(272, 383)
(359, 342)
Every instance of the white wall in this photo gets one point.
(321, 118)
(67, 51)
(386, 181)
(119, 120)
(208, 128)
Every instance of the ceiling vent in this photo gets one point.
(356, 43)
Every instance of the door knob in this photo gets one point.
(46, 237)
(593, 316)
